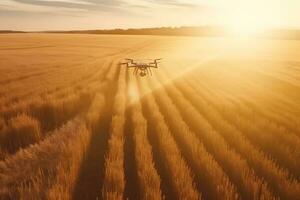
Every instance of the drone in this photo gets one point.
(141, 68)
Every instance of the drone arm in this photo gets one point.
(120, 64)
(131, 61)
(131, 66)
(153, 66)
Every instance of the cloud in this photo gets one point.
(16, 6)
(82, 4)
(76, 14)
(134, 9)
(69, 1)
(100, 5)
(167, 8)
(58, 6)
(10, 5)
(172, 3)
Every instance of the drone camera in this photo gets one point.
(142, 74)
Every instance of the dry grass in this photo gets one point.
(179, 173)
(279, 177)
(114, 181)
(41, 163)
(58, 159)
(217, 184)
(20, 132)
(235, 166)
(148, 178)
(277, 140)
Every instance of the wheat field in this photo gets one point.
(220, 118)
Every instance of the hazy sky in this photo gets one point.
(97, 14)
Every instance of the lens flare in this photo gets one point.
(133, 93)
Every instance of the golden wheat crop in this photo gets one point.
(218, 120)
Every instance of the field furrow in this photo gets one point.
(248, 183)
(91, 175)
(216, 183)
(114, 181)
(149, 181)
(285, 150)
(276, 176)
(178, 172)
(264, 103)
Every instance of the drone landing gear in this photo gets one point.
(135, 71)
(142, 71)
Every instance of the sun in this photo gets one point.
(248, 19)
(246, 26)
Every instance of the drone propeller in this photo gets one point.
(153, 59)
(156, 61)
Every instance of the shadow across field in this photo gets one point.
(205, 189)
(159, 162)
(91, 175)
(131, 176)
(130, 168)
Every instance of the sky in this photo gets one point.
(33, 15)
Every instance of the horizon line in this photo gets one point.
(291, 28)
